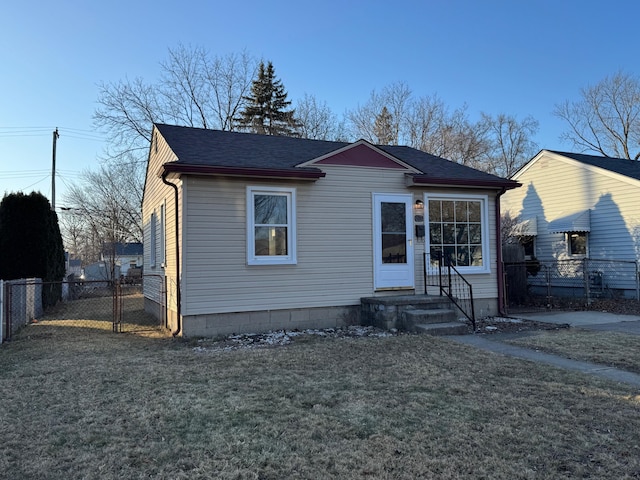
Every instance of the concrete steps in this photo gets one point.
(447, 328)
(432, 315)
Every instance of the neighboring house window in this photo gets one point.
(528, 242)
(152, 241)
(577, 242)
(458, 230)
(271, 226)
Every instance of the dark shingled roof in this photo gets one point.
(623, 166)
(123, 249)
(215, 148)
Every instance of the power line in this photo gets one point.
(35, 183)
(77, 133)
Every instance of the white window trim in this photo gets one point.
(152, 240)
(291, 258)
(163, 241)
(484, 222)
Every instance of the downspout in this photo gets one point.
(178, 302)
(499, 254)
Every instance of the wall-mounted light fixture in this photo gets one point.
(418, 211)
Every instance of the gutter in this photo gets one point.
(178, 289)
(427, 181)
(500, 269)
(308, 174)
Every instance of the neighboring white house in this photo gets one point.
(576, 206)
(123, 255)
(254, 233)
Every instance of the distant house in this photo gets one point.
(124, 255)
(253, 233)
(103, 271)
(73, 266)
(575, 206)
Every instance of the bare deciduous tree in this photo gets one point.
(104, 208)
(511, 144)
(425, 116)
(395, 98)
(194, 90)
(606, 120)
(424, 123)
(317, 121)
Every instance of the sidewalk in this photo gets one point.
(585, 319)
(602, 321)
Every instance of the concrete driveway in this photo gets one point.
(589, 319)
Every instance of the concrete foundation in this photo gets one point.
(217, 324)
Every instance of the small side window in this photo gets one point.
(152, 240)
(162, 259)
(529, 244)
(577, 242)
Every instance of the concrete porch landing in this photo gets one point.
(430, 314)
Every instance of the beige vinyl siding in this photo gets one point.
(156, 194)
(334, 228)
(554, 186)
(334, 244)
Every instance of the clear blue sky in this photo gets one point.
(507, 56)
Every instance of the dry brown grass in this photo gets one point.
(97, 313)
(605, 348)
(96, 405)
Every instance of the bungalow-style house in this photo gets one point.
(580, 207)
(254, 233)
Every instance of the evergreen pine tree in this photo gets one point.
(31, 242)
(266, 112)
(382, 127)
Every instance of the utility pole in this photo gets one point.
(53, 171)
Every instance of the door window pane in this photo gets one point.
(393, 217)
(394, 248)
(394, 232)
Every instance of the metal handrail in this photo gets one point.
(453, 285)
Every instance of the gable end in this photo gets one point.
(360, 154)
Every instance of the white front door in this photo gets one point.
(392, 241)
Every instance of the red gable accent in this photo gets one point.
(359, 156)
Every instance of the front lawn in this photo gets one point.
(96, 405)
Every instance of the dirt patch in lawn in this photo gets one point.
(491, 325)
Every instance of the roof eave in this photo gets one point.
(308, 174)
(427, 181)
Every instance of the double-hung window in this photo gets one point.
(459, 231)
(271, 226)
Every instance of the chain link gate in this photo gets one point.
(88, 306)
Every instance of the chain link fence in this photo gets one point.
(96, 306)
(540, 285)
